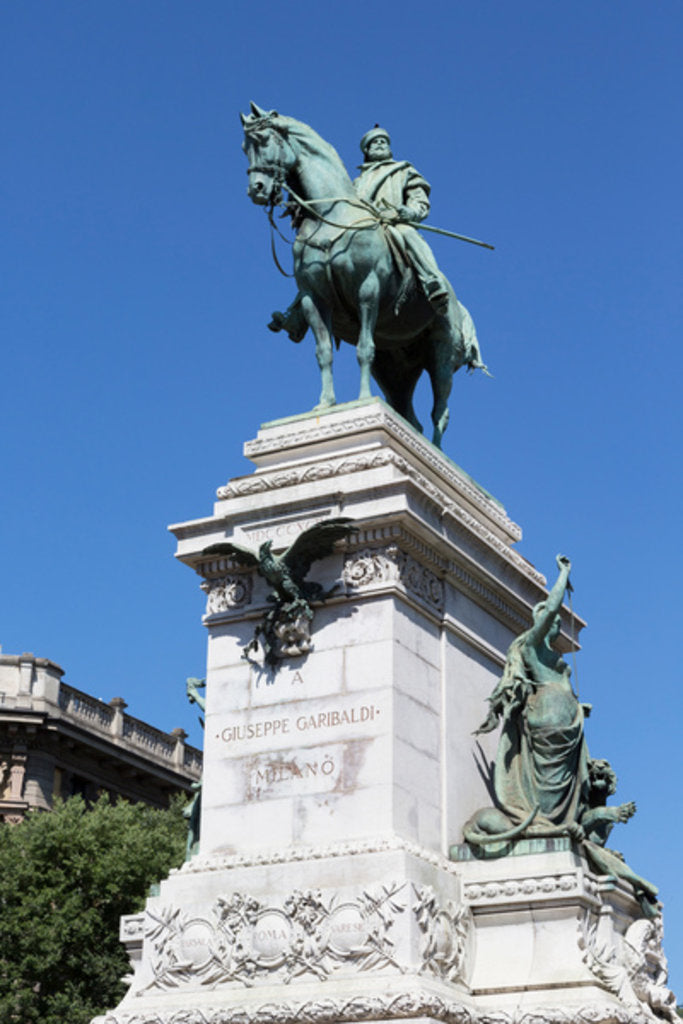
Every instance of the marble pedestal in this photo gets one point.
(335, 785)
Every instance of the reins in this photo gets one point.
(307, 204)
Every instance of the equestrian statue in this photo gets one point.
(364, 274)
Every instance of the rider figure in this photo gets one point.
(401, 195)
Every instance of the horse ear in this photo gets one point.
(256, 111)
(243, 120)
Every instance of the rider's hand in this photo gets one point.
(389, 215)
(407, 214)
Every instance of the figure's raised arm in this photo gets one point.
(544, 615)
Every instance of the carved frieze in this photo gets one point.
(522, 887)
(244, 941)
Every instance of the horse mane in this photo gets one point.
(307, 140)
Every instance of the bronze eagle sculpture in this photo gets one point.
(286, 626)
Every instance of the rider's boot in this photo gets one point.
(292, 321)
(437, 295)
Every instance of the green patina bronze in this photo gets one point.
(193, 810)
(285, 628)
(364, 274)
(545, 782)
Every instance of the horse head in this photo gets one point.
(270, 156)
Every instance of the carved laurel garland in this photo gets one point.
(389, 1005)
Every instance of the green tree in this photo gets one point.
(65, 879)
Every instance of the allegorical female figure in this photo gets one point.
(544, 779)
(541, 768)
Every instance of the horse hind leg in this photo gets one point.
(321, 325)
(397, 383)
(441, 367)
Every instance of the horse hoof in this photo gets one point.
(324, 405)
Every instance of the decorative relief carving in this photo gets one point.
(244, 941)
(648, 970)
(293, 637)
(228, 592)
(387, 1005)
(132, 927)
(632, 967)
(445, 934)
(363, 568)
(510, 887)
(389, 564)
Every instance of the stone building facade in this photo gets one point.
(57, 741)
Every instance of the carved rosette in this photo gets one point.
(377, 566)
(242, 941)
(228, 592)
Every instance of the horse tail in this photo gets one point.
(471, 352)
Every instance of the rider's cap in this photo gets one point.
(374, 133)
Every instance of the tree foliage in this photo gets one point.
(65, 879)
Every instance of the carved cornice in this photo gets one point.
(376, 844)
(295, 476)
(445, 505)
(304, 433)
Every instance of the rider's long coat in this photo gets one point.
(397, 182)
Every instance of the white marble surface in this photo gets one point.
(335, 786)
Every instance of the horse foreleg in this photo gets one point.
(321, 325)
(368, 304)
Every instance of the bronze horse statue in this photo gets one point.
(351, 284)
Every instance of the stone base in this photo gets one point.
(355, 762)
(386, 930)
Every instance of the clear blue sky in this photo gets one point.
(137, 282)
